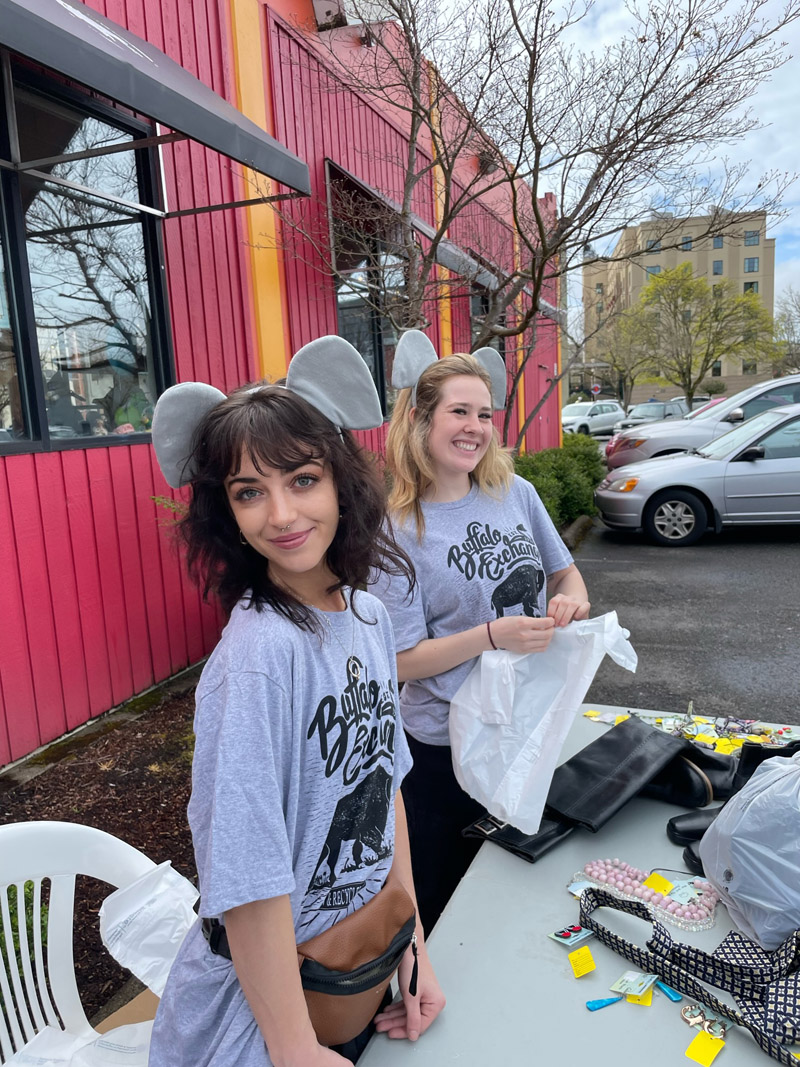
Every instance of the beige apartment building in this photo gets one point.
(743, 254)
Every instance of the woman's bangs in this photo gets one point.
(274, 438)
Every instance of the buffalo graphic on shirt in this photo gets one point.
(509, 558)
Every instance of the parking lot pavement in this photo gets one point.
(717, 623)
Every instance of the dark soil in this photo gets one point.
(131, 780)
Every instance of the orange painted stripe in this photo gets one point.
(251, 63)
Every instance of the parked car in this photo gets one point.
(750, 475)
(698, 400)
(699, 427)
(652, 411)
(594, 416)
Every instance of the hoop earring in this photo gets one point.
(242, 538)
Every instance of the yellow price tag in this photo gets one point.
(591, 714)
(620, 718)
(646, 999)
(704, 1049)
(728, 745)
(701, 718)
(657, 883)
(709, 739)
(581, 961)
(756, 737)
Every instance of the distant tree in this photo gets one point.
(629, 350)
(787, 322)
(686, 325)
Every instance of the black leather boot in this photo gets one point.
(691, 857)
(684, 829)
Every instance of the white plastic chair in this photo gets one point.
(44, 993)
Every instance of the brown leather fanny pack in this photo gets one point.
(347, 969)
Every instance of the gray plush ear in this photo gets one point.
(177, 414)
(492, 362)
(414, 353)
(331, 375)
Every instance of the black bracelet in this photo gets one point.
(489, 632)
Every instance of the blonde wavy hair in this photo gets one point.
(407, 453)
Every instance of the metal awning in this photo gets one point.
(87, 48)
(448, 254)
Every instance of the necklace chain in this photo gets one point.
(353, 668)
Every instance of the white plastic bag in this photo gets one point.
(125, 1046)
(144, 924)
(751, 853)
(509, 719)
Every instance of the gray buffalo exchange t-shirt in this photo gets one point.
(298, 756)
(481, 557)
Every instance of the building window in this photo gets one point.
(717, 291)
(653, 270)
(716, 267)
(749, 366)
(686, 314)
(717, 242)
(686, 244)
(599, 288)
(84, 349)
(751, 265)
(480, 306)
(370, 279)
(751, 287)
(751, 237)
(599, 308)
(716, 368)
(653, 246)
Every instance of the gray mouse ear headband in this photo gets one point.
(328, 373)
(415, 353)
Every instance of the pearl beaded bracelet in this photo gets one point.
(625, 881)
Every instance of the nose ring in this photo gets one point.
(283, 529)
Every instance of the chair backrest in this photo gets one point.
(37, 973)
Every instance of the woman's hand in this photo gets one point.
(563, 609)
(519, 633)
(412, 1016)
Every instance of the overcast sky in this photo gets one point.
(776, 146)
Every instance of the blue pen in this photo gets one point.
(671, 993)
(596, 1005)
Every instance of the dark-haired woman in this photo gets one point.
(295, 811)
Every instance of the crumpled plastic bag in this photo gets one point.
(510, 717)
(125, 1046)
(143, 924)
(751, 853)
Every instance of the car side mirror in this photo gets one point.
(753, 452)
(737, 415)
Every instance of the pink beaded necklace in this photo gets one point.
(625, 881)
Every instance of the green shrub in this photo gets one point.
(564, 477)
(585, 451)
(29, 924)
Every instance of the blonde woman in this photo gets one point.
(487, 558)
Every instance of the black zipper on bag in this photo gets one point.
(317, 978)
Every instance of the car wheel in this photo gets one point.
(583, 429)
(675, 517)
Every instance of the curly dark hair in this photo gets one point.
(278, 428)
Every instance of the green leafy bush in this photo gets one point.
(29, 924)
(564, 477)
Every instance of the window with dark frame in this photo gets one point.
(653, 245)
(716, 266)
(751, 265)
(716, 368)
(751, 237)
(686, 244)
(599, 288)
(653, 270)
(749, 366)
(479, 307)
(370, 279)
(717, 242)
(750, 287)
(84, 338)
